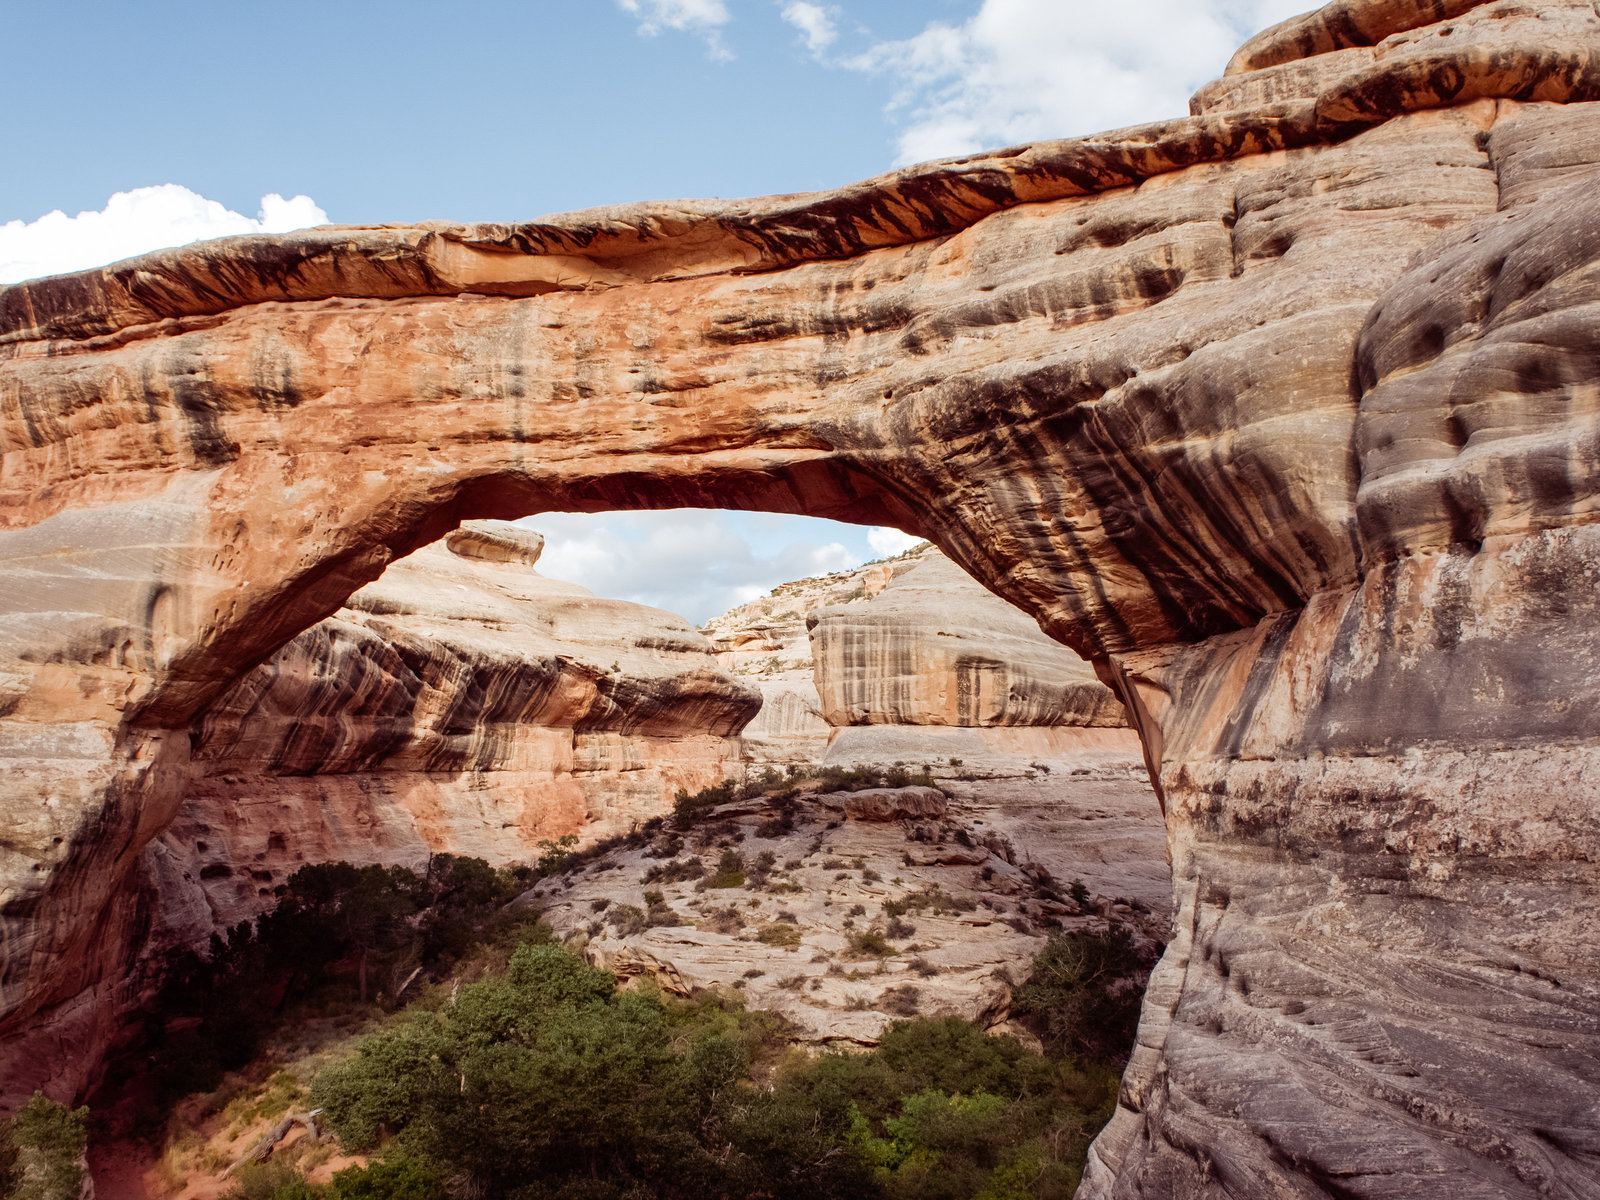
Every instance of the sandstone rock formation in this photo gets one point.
(910, 659)
(1283, 414)
(936, 649)
(462, 703)
(765, 644)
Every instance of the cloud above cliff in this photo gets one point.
(697, 562)
(702, 17)
(134, 222)
(815, 23)
(1019, 70)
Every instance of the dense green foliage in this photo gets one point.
(550, 1082)
(346, 934)
(546, 1081)
(1084, 994)
(43, 1147)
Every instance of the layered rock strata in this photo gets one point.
(765, 644)
(462, 703)
(911, 659)
(937, 667)
(1283, 414)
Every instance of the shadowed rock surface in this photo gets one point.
(1283, 414)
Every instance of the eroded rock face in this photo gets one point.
(910, 659)
(462, 703)
(1282, 414)
(934, 648)
(766, 645)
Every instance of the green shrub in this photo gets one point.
(552, 1081)
(402, 1178)
(554, 855)
(339, 936)
(626, 919)
(1084, 993)
(677, 871)
(729, 872)
(870, 943)
(48, 1142)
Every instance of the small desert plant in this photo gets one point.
(729, 872)
(902, 1001)
(870, 943)
(626, 919)
(721, 920)
(677, 871)
(779, 934)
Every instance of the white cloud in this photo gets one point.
(697, 563)
(889, 542)
(1020, 70)
(134, 222)
(703, 17)
(815, 23)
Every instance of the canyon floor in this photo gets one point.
(851, 909)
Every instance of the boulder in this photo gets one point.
(887, 804)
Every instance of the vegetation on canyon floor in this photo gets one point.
(776, 786)
(460, 1053)
(42, 1149)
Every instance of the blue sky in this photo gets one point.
(136, 126)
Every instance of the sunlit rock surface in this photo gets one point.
(1283, 414)
(785, 940)
(910, 659)
(765, 644)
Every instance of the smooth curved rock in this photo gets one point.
(1280, 414)
(933, 648)
(887, 662)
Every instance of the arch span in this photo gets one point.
(1283, 414)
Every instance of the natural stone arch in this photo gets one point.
(1174, 391)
